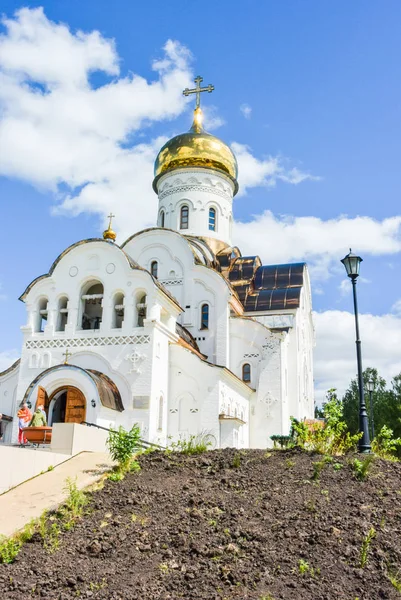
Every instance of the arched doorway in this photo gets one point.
(66, 405)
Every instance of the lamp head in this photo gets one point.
(370, 386)
(351, 263)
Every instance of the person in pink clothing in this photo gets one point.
(24, 416)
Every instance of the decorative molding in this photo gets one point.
(251, 355)
(171, 281)
(84, 342)
(195, 188)
(135, 358)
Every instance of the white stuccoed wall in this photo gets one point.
(8, 396)
(200, 189)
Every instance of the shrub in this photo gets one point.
(122, 444)
(331, 438)
(385, 445)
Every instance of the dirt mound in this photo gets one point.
(227, 524)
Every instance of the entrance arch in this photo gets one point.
(67, 405)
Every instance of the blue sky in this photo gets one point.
(322, 82)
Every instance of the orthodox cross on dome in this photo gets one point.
(110, 217)
(109, 234)
(67, 356)
(198, 89)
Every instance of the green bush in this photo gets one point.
(385, 445)
(122, 444)
(332, 437)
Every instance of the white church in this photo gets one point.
(173, 329)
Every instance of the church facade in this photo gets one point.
(173, 329)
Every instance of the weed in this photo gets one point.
(122, 444)
(94, 587)
(163, 567)
(303, 567)
(318, 467)
(338, 466)
(10, 547)
(367, 540)
(331, 437)
(212, 522)
(289, 463)
(395, 579)
(116, 475)
(385, 445)
(194, 444)
(361, 468)
(76, 499)
(50, 468)
(237, 461)
(310, 505)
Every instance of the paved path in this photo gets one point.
(28, 500)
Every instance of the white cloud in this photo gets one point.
(246, 110)
(321, 243)
(60, 129)
(7, 358)
(396, 308)
(265, 172)
(335, 354)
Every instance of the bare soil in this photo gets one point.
(226, 524)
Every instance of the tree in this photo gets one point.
(386, 403)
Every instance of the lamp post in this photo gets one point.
(370, 386)
(351, 263)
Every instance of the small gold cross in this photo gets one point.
(67, 356)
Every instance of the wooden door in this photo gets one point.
(42, 399)
(75, 410)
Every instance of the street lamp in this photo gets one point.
(351, 263)
(370, 386)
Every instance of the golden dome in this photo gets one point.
(196, 149)
(109, 234)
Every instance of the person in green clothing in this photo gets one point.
(39, 418)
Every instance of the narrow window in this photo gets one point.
(161, 220)
(184, 217)
(141, 308)
(118, 316)
(160, 419)
(212, 219)
(62, 317)
(153, 268)
(246, 373)
(92, 309)
(42, 315)
(205, 316)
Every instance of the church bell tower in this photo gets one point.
(196, 180)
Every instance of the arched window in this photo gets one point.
(212, 219)
(205, 316)
(118, 312)
(184, 217)
(153, 268)
(92, 309)
(246, 373)
(42, 315)
(62, 316)
(160, 415)
(141, 308)
(161, 218)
